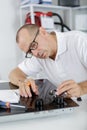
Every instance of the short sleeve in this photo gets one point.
(30, 66)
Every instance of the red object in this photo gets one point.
(37, 17)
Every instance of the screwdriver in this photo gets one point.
(9, 105)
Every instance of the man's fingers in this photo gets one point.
(22, 89)
(66, 83)
(72, 92)
(34, 87)
(27, 86)
(28, 91)
(23, 92)
(64, 89)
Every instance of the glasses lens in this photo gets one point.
(33, 45)
(28, 55)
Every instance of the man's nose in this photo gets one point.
(35, 52)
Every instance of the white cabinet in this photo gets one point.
(79, 15)
(68, 14)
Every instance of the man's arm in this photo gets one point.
(16, 75)
(83, 85)
(72, 88)
(19, 78)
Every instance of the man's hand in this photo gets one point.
(71, 88)
(26, 86)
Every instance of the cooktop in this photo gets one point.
(45, 104)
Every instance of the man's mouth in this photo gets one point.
(41, 55)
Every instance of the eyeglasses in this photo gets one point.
(33, 46)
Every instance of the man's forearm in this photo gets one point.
(83, 87)
(16, 80)
(17, 76)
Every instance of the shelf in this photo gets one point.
(80, 7)
(44, 6)
(52, 6)
(68, 14)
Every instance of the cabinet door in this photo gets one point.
(79, 16)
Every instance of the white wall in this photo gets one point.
(10, 55)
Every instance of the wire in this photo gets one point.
(61, 22)
(64, 26)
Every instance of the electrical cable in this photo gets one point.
(61, 22)
(64, 26)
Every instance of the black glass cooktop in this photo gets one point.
(45, 101)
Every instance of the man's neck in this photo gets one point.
(54, 45)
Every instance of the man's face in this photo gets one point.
(37, 44)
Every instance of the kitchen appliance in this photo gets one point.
(44, 105)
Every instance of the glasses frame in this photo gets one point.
(32, 47)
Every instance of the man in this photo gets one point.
(62, 57)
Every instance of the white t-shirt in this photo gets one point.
(70, 61)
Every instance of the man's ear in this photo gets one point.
(42, 31)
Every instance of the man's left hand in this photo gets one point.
(70, 87)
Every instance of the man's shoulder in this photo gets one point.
(75, 32)
(69, 33)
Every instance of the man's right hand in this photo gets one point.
(26, 86)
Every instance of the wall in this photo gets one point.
(10, 55)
